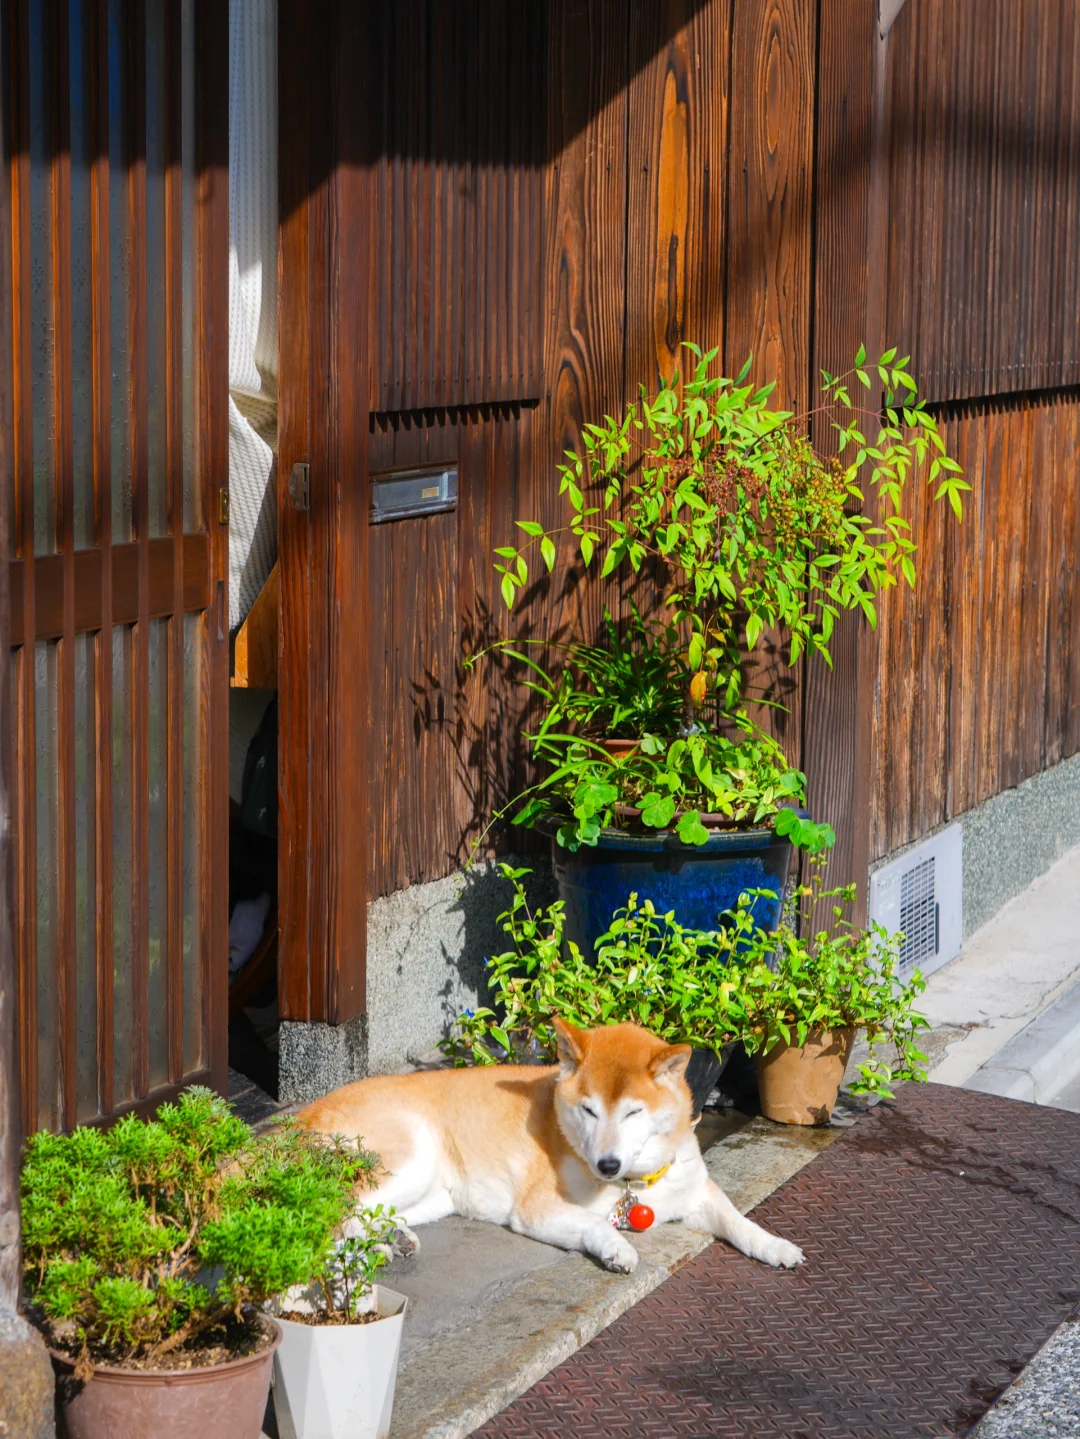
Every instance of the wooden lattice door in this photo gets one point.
(116, 225)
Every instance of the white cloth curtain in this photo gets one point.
(253, 341)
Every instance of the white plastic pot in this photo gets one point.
(336, 1381)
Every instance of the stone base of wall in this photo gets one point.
(27, 1385)
(1012, 838)
(426, 948)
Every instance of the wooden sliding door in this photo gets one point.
(117, 212)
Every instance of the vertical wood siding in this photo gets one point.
(457, 237)
(984, 266)
(978, 681)
(709, 174)
(110, 331)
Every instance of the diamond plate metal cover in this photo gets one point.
(942, 1236)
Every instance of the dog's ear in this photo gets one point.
(571, 1043)
(669, 1065)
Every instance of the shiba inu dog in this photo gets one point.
(547, 1151)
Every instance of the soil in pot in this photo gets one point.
(799, 1085)
(189, 1400)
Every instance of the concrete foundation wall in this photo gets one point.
(1012, 838)
(426, 948)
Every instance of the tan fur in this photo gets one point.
(525, 1146)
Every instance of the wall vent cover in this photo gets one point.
(921, 894)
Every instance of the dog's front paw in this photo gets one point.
(617, 1254)
(780, 1253)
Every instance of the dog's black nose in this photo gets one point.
(608, 1166)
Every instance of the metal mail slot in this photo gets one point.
(397, 497)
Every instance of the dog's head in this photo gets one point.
(621, 1099)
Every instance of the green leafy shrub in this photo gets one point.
(121, 1226)
(667, 783)
(696, 986)
(647, 969)
(836, 977)
(633, 683)
(752, 529)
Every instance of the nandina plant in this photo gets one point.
(155, 1236)
(751, 530)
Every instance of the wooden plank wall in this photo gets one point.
(978, 684)
(978, 676)
(984, 272)
(734, 174)
(635, 261)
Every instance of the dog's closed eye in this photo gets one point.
(631, 1112)
(589, 1110)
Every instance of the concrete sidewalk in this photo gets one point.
(1008, 974)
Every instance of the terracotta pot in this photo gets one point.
(621, 748)
(227, 1401)
(800, 1085)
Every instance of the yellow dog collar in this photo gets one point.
(650, 1179)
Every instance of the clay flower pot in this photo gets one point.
(621, 748)
(227, 1401)
(800, 1085)
(336, 1381)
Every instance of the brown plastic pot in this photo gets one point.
(799, 1085)
(225, 1401)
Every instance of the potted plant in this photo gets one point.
(800, 1003)
(335, 1371)
(645, 792)
(150, 1250)
(746, 532)
(796, 1004)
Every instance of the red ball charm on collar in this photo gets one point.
(641, 1216)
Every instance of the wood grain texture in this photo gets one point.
(984, 269)
(102, 399)
(212, 388)
(255, 649)
(324, 290)
(294, 530)
(769, 292)
(838, 702)
(11, 1115)
(23, 768)
(770, 182)
(456, 142)
(676, 166)
(976, 664)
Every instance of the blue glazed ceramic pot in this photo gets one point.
(698, 882)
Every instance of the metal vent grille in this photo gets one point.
(918, 915)
(921, 894)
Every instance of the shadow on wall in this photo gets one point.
(483, 896)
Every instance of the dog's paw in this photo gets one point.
(618, 1254)
(780, 1253)
(405, 1242)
